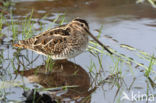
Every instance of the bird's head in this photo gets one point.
(82, 26)
(79, 24)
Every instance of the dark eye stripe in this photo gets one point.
(82, 21)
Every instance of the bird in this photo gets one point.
(62, 42)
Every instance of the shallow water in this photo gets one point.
(125, 24)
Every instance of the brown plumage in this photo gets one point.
(63, 42)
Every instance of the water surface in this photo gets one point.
(125, 24)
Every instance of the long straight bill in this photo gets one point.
(99, 42)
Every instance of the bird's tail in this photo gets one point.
(21, 44)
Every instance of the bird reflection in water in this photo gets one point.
(63, 73)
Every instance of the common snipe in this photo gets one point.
(63, 42)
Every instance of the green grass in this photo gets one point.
(91, 66)
(1, 22)
(150, 67)
(27, 27)
(49, 63)
(14, 29)
(62, 19)
(6, 4)
(94, 47)
(1, 57)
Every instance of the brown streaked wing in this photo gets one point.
(53, 31)
(50, 44)
(52, 41)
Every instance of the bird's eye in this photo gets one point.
(81, 25)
